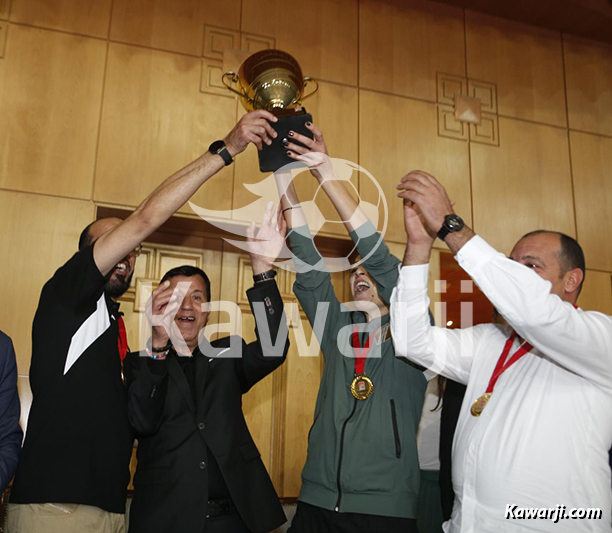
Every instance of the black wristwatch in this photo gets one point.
(219, 148)
(264, 276)
(451, 224)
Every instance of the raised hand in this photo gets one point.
(319, 162)
(416, 231)
(317, 144)
(253, 127)
(266, 244)
(161, 308)
(312, 145)
(429, 197)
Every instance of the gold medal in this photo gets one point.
(479, 405)
(362, 387)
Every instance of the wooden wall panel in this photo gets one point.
(335, 112)
(155, 121)
(322, 35)
(39, 234)
(592, 171)
(302, 384)
(588, 71)
(50, 95)
(596, 294)
(85, 17)
(403, 45)
(175, 25)
(397, 135)
(523, 185)
(525, 62)
(5, 6)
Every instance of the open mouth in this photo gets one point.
(121, 268)
(361, 286)
(186, 319)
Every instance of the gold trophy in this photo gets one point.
(272, 80)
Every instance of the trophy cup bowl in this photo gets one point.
(273, 80)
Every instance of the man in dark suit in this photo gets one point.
(198, 467)
(10, 432)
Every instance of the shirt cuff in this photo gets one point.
(413, 277)
(475, 253)
(364, 231)
(302, 231)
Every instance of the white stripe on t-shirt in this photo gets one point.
(93, 328)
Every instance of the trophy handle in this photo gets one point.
(231, 77)
(307, 80)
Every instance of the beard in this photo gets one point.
(117, 285)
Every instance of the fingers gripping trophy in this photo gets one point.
(272, 80)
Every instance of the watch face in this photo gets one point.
(216, 146)
(453, 223)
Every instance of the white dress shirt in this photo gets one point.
(543, 438)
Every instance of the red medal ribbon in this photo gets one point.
(123, 343)
(361, 352)
(502, 365)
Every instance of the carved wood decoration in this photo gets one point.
(467, 109)
(221, 47)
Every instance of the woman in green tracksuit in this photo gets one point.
(362, 469)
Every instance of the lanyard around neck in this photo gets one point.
(503, 365)
(361, 352)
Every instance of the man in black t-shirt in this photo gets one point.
(73, 471)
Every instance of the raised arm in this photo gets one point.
(312, 287)
(322, 169)
(269, 350)
(168, 197)
(443, 351)
(377, 259)
(577, 340)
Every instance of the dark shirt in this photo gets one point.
(451, 407)
(217, 488)
(10, 432)
(79, 440)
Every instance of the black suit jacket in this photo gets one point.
(10, 431)
(171, 482)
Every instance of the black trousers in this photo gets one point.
(226, 524)
(311, 519)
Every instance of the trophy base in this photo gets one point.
(274, 156)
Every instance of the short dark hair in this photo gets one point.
(570, 256)
(85, 237)
(188, 271)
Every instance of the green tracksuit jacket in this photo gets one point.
(362, 455)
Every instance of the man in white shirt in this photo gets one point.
(535, 427)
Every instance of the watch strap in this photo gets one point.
(444, 231)
(264, 276)
(451, 224)
(219, 148)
